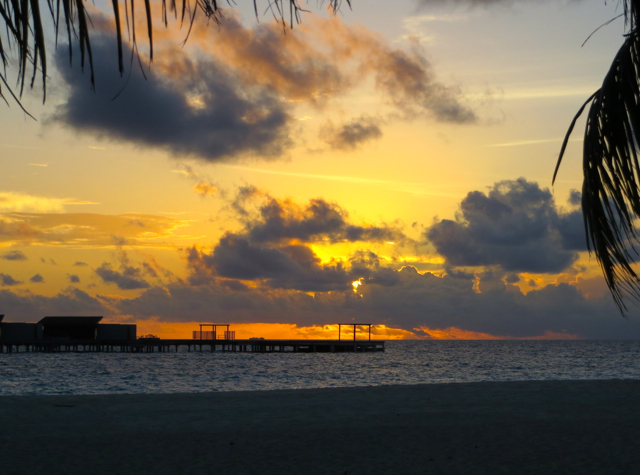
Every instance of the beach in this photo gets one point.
(543, 427)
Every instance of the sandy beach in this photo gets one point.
(545, 427)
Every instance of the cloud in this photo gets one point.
(205, 189)
(129, 278)
(31, 308)
(350, 135)
(289, 267)
(85, 228)
(19, 202)
(203, 185)
(13, 256)
(414, 301)
(14, 228)
(291, 64)
(575, 198)
(422, 303)
(203, 109)
(325, 58)
(7, 280)
(74, 279)
(572, 231)
(284, 220)
(274, 248)
(80, 264)
(36, 279)
(232, 92)
(408, 80)
(516, 226)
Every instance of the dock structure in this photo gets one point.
(150, 345)
(88, 335)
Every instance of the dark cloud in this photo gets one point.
(119, 241)
(31, 308)
(149, 270)
(575, 198)
(408, 79)
(36, 279)
(273, 249)
(459, 274)
(352, 134)
(234, 285)
(127, 279)
(245, 196)
(14, 256)
(195, 108)
(572, 231)
(512, 278)
(571, 225)
(80, 264)
(413, 301)
(237, 101)
(7, 280)
(402, 298)
(515, 225)
(318, 220)
(286, 267)
(74, 279)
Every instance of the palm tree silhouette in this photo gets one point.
(610, 190)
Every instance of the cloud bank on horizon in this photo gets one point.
(502, 243)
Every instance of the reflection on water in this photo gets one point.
(404, 362)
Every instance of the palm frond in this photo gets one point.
(611, 186)
(24, 28)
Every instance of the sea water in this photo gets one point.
(403, 362)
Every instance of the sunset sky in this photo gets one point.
(391, 164)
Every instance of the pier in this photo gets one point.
(65, 334)
(150, 345)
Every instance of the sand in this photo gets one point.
(545, 427)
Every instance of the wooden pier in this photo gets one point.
(152, 345)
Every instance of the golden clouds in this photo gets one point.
(325, 58)
(453, 333)
(203, 184)
(20, 202)
(88, 230)
(205, 189)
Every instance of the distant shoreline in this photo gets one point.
(549, 427)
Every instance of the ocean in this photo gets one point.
(403, 362)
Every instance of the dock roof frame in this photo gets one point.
(354, 325)
(214, 328)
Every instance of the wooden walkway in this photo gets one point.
(150, 345)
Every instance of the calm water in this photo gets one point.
(404, 362)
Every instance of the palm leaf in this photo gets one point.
(611, 186)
